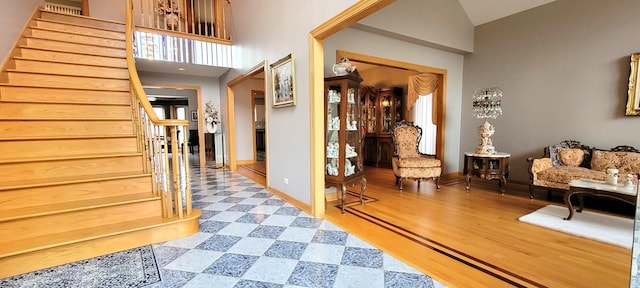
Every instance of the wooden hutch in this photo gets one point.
(381, 110)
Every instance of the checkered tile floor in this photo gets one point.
(250, 238)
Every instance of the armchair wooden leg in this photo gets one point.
(397, 180)
(531, 191)
(437, 183)
(418, 183)
(400, 183)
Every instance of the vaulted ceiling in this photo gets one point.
(483, 11)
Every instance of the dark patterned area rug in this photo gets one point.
(130, 268)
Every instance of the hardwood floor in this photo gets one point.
(474, 239)
(256, 171)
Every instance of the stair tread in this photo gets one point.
(10, 248)
(37, 85)
(71, 42)
(62, 103)
(10, 185)
(78, 24)
(76, 33)
(67, 157)
(56, 73)
(71, 52)
(67, 137)
(41, 210)
(68, 63)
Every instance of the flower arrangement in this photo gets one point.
(211, 113)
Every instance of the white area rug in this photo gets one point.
(600, 227)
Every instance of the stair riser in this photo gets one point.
(65, 222)
(52, 95)
(67, 147)
(37, 171)
(29, 197)
(83, 21)
(35, 66)
(75, 38)
(73, 58)
(39, 111)
(80, 29)
(73, 82)
(30, 129)
(54, 256)
(74, 47)
(31, 111)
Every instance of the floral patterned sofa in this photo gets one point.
(571, 160)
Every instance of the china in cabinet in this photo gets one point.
(382, 109)
(343, 162)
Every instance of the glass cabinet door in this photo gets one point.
(333, 130)
(386, 102)
(371, 113)
(353, 161)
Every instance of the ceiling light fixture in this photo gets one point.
(181, 69)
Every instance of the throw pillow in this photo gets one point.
(571, 156)
(553, 153)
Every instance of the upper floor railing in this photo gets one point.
(59, 8)
(197, 17)
(158, 45)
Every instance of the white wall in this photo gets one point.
(269, 30)
(13, 18)
(564, 71)
(361, 42)
(111, 10)
(441, 24)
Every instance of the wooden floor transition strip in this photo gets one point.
(485, 267)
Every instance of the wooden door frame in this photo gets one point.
(198, 89)
(439, 93)
(342, 20)
(255, 70)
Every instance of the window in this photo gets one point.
(424, 118)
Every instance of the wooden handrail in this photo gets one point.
(135, 80)
(170, 179)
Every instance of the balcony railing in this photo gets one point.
(197, 17)
(59, 8)
(154, 45)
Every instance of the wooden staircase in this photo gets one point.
(72, 179)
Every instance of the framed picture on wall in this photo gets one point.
(194, 116)
(633, 98)
(283, 82)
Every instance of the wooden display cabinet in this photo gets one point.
(343, 158)
(382, 109)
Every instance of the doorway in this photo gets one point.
(259, 111)
(244, 120)
(179, 102)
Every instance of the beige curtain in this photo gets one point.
(422, 84)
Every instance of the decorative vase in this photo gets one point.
(486, 146)
(212, 127)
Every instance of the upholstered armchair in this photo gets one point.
(407, 161)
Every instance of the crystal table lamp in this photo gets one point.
(486, 104)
